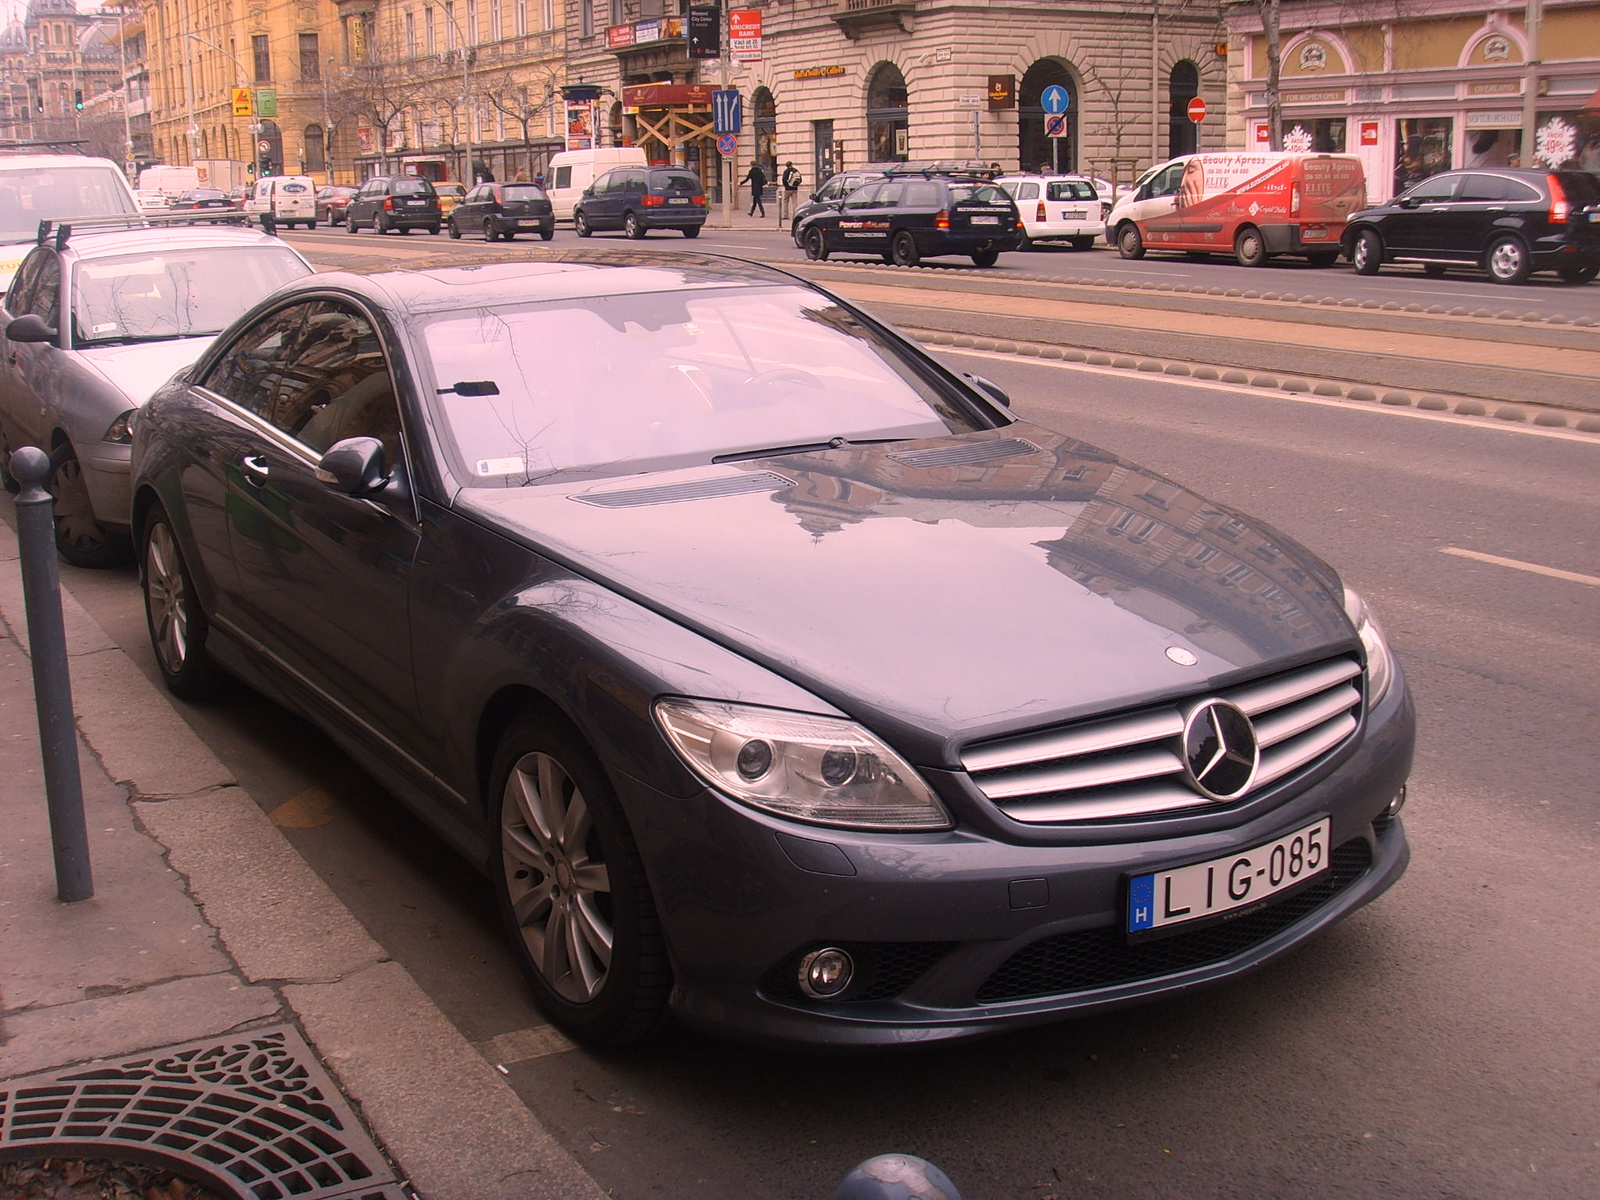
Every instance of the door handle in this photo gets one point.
(255, 471)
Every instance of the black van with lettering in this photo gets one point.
(908, 216)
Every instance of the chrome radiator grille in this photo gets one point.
(1130, 766)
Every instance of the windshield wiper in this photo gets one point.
(806, 448)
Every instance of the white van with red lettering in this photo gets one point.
(1250, 205)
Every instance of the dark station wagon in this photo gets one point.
(904, 218)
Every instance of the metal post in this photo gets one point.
(52, 686)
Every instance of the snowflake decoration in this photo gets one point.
(1557, 142)
(1298, 140)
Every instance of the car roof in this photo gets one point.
(11, 162)
(556, 275)
(107, 243)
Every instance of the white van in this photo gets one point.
(171, 182)
(283, 200)
(36, 187)
(573, 170)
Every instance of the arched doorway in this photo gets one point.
(1183, 85)
(313, 156)
(765, 124)
(1035, 148)
(888, 117)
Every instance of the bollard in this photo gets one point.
(52, 686)
(896, 1177)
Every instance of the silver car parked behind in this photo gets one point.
(101, 313)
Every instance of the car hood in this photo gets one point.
(949, 588)
(138, 370)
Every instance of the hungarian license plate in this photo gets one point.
(986, 220)
(1317, 233)
(1073, 214)
(1164, 902)
(526, 224)
(416, 203)
(678, 200)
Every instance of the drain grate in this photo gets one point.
(255, 1115)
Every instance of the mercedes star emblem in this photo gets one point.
(1220, 751)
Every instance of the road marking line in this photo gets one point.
(1518, 565)
(520, 1045)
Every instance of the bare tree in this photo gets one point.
(1124, 101)
(1269, 27)
(524, 100)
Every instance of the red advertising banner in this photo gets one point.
(1369, 133)
(618, 36)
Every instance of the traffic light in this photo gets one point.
(77, 99)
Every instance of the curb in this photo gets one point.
(272, 942)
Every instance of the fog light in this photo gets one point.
(1397, 803)
(826, 973)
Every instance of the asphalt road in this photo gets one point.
(1439, 1044)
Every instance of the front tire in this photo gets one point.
(816, 245)
(1130, 242)
(1249, 247)
(172, 613)
(904, 249)
(455, 230)
(80, 537)
(1507, 261)
(580, 225)
(571, 889)
(1367, 253)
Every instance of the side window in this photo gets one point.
(337, 384)
(563, 178)
(1483, 187)
(1027, 191)
(863, 197)
(1434, 191)
(21, 291)
(923, 194)
(602, 184)
(44, 297)
(634, 181)
(252, 368)
(890, 194)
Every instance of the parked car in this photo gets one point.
(450, 194)
(151, 200)
(237, 196)
(286, 200)
(39, 187)
(1057, 208)
(834, 189)
(201, 200)
(571, 171)
(905, 218)
(93, 325)
(1507, 221)
(1251, 204)
(666, 589)
(332, 201)
(503, 210)
(638, 199)
(394, 202)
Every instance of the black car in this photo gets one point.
(834, 189)
(394, 202)
(201, 199)
(503, 210)
(905, 218)
(639, 199)
(1507, 221)
(665, 588)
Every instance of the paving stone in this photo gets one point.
(1150, 365)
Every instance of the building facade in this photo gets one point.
(851, 83)
(1415, 89)
(56, 60)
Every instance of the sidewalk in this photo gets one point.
(212, 944)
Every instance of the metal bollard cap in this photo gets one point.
(29, 466)
(896, 1177)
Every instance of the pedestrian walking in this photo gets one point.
(791, 192)
(757, 179)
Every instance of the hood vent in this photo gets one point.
(697, 489)
(970, 452)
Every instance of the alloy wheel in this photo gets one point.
(166, 599)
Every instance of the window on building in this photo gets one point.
(522, 18)
(1183, 85)
(496, 32)
(473, 37)
(616, 12)
(585, 18)
(887, 115)
(652, 8)
(315, 149)
(411, 35)
(547, 14)
(310, 58)
(263, 58)
(427, 31)
(450, 26)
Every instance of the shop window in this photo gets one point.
(1317, 135)
(1494, 148)
(888, 118)
(1422, 148)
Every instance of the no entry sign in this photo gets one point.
(1197, 110)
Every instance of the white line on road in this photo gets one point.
(1519, 565)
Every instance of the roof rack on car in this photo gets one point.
(63, 230)
(947, 166)
(61, 145)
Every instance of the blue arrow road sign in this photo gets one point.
(1054, 99)
(727, 111)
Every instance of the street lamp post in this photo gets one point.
(255, 107)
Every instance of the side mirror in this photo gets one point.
(1406, 202)
(988, 388)
(30, 327)
(354, 466)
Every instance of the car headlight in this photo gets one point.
(1380, 663)
(120, 430)
(823, 770)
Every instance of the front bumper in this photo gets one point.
(959, 934)
(106, 474)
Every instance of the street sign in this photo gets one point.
(1055, 99)
(1056, 126)
(263, 145)
(744, 34)
(705, 31)
(727, 143)
(266, 102)
(970, 101)
(727, 111)
(1197, 110)
(241, 102)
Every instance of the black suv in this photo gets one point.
(1507, 221)
(387, 202)
(639, 199)
(905, 217)
(503, 210)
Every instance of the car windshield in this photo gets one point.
(30, 196)
(522, 191)
(412, 187)
(615, 385)
(1070, 189)
(173, 293)
(674, 182)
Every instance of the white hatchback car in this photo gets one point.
(1057, 208)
